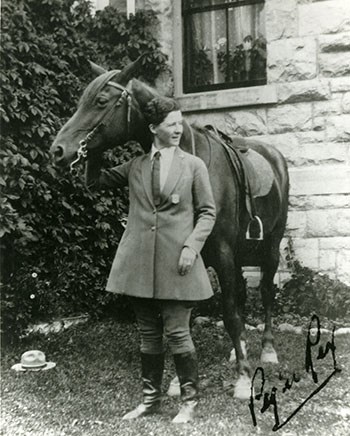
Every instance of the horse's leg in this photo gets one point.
(227, 274)
(241, 299)
(267, 289)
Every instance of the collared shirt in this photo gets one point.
(166, 157)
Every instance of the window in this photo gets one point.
(224, 44)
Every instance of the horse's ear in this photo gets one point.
(129, 71)
(97, 69)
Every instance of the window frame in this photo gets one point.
(186, 50)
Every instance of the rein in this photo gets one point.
(83, 143)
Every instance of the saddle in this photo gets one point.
(254, 173)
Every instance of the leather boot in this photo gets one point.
(187, 371)
(152, 373)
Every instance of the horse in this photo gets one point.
(110, 112)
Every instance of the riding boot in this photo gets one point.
(152, 373)
(187, 371)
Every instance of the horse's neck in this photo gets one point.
(139, 131)
(187, 137)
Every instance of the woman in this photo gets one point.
(158, 262)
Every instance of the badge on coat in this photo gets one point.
(175, 198)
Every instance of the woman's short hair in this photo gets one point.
(158, 108)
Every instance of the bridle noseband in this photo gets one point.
(83, 143)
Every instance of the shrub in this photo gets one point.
(50, 224)
(309, 292)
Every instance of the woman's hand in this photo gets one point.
(186, 261)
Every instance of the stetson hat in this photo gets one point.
(33, 360)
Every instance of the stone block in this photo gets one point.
(290, 60)
(338, 128)
(343, 266)
(327, 260)
(322, 180)
(280, 141)
(340, 84)
(330, 107)
(310, 136)
(327, 223)
(252, 275)
(324, 17)
(306, 90)
(306, 251)
(318, 124)
(246, 123)
(296, 223)
(334, 64)
(335, 244)
(334, 43)
(289, 118)
(281, 19)
(309, 202)
(346, 103)
(314, 154)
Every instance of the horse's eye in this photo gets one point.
(102, 101)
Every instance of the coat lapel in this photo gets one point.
(147, 176)
(174, 174)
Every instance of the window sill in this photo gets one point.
(227, 98)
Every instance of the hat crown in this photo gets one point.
(33, 359)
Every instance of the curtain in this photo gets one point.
(221, 53)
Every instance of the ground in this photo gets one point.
(97, 380)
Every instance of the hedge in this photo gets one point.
(57, 241)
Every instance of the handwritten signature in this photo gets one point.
(270, 399)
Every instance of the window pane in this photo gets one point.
(225, 46)
(247, 44)
(207, 34)
(191, 4)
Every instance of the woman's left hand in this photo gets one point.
(186, 261)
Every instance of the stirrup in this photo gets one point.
(261, 230)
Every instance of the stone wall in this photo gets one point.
(308, 119)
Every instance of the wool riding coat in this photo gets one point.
(146, 262)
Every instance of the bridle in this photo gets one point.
(83, 143)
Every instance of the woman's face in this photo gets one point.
(168, 133)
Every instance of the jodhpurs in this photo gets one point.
(168, 317)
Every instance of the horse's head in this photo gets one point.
(102, 119)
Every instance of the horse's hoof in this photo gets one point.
(243, 388)
(233, 352)
(269, 356)
(174, 388)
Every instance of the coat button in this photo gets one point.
(153, 228)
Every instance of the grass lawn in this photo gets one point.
(97, 380)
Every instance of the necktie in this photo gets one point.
(156, 178)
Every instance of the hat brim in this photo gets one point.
(19, 367)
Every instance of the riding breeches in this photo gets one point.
(156, 318)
